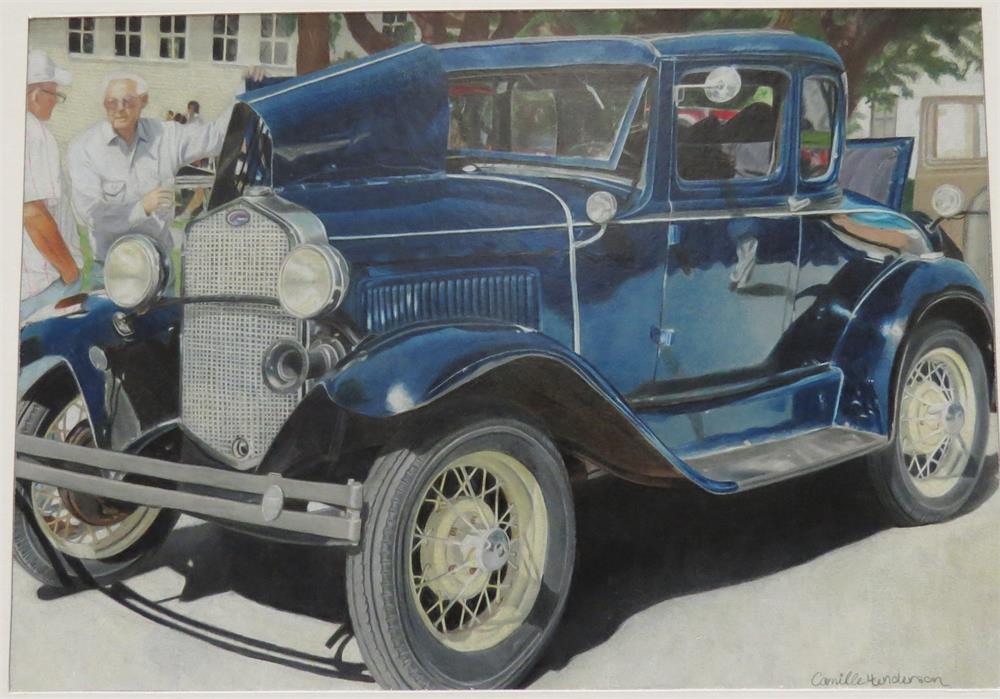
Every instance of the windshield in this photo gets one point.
(582, 117)
(245, 156)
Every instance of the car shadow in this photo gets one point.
(636, 547)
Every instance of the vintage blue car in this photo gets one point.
(435, 285)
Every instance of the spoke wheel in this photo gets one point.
(937, 421)
(478, 542)
(935, 460)
(81, 525)
(466, 554)
(108, 538)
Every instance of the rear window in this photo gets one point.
(816, 124)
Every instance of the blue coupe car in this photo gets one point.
(434, 286)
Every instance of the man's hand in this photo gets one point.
(256, 74)
(159, 198)
(44, 233)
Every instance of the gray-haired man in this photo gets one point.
(123, 168)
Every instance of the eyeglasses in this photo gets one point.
(60, 97)
(113, 105)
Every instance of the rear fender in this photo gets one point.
(144, 365)
(869, 350)
(423, 367)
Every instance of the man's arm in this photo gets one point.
(44, 233)
(197, 141)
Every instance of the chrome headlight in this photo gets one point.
(947, 200)
(313, 280)
(134, 273)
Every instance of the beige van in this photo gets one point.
(952, 173)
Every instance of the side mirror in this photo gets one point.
(721, 85)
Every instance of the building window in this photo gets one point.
(275, 39)
(225, 28)
(394, 25)
(81, 35)
(128, 36)
(884, 119)
(173, 36)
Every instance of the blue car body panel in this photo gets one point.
(709, 316)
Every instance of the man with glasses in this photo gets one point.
(50, 247)
(123, 168)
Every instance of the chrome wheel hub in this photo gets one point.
(937, 421)
(494, 551)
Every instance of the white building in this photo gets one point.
(182, 57)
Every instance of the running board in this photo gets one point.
(755, 465)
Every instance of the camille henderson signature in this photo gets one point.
(876, 679)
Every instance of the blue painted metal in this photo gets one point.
(867, 348)
(382, 115)
(69, 339)
(707, 314)
(412, 368)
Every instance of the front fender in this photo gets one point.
(869, 348)
(66, 341)
(412, 369)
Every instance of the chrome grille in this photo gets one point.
(223, 396)
(505, 296)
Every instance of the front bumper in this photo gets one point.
(328, 510)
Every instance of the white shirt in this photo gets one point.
(44, 181)
(110, 176)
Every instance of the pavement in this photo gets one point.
(797, 585)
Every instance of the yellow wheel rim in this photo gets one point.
(477, 545)
(938, 417)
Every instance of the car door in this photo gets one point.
(733, 242)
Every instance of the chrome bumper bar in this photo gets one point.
(56, 463)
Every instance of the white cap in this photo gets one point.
(41, 69)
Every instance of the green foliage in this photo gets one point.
(935, 43)
(733, 19)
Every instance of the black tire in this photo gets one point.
(392, 618)
(899, 492)
(37, 553)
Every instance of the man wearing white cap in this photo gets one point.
(50, 248)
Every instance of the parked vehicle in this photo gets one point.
(952, 178)
(434, 286)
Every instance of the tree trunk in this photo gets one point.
(858, 38)
(475, 26)
(370, 39)
(432, 26)
(511, 22)
(314, 42)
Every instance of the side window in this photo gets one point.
(816, 127)
(732, 140)
(959, 130)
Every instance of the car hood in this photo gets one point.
(442, 203)
(383, 115)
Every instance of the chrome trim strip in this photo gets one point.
(571, 243)
(334, 75)
(776, 212)
(454, 231)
